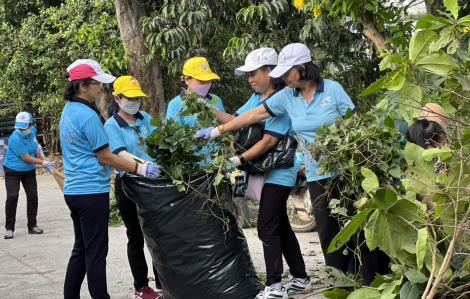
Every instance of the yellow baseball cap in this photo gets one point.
(198, 67)
(128, 86)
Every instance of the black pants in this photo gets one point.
(12, 185)
(328, 227)
(135, 237)
(277, 236)
(90, 215)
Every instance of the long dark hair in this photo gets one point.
(311, 71)
(113, 106)
(277, 83)
(424, 131)
(72, 87)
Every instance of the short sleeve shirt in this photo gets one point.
(123, 137)
(329, 101)
(175, 106)
(18, 146)
(82, 135)
(278, 127)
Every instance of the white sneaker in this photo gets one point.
(270, 293)
(295, 286)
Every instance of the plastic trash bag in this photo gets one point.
(282, 155)
(195, 254)
(239, 187)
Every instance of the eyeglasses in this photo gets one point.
(101, 84)
(140, 139)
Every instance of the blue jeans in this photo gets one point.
(90, 215)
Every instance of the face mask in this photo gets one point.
(131, 107)
(24, 133)
(202, 89)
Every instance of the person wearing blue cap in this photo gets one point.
(274, 229)
(20, 167)
(310, 101)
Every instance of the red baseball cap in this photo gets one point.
(87, 68)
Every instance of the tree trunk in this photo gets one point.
(128, 13)
(371, 32)
(102, 103)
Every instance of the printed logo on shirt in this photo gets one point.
(68, 138)
(325, 101)
(35, 140)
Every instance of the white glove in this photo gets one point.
(149, 170)
(204, 102)
(235, 161)
(39, 152)
(48, 166)
(207, 133)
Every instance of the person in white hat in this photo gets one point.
(23, 153)
(87, 159)
(310, 101)
(274, 228)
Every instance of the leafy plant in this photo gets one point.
(354, 142)
(429, 248)
(174, 147)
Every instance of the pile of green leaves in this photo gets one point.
(354, 142)
(173, 146)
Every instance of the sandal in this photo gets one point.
(35, 231)
(9, 234)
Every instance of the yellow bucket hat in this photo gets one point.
(198, 67)
(128, 86)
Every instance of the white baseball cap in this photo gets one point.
(23, 119)
(257, 59)
(87, 68)
(291, 55)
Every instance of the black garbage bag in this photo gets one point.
(239, 187)
(282, 155)
(195, 254)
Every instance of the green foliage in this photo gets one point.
(435, 69)
(358, 144)
(36, 49)
(173, 146)
(179, 30)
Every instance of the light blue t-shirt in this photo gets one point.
(175, 106)
(123, 137)
(329, 101)
(278, 127)
(18, 146)
(82, 135)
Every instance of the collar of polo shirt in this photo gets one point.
(320, 87)
(121, 122)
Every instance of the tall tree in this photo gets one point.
(128, 14)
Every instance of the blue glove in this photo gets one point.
(48, 166)
(208, 133)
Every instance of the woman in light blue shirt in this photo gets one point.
(20, 166)
(274, 228)
(126, 129)
(310, 102)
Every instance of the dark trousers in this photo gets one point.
(328, 227)
(12, 185)
(135, 238)
(90, 215)
(277, 236)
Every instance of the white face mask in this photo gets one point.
(130, 107)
